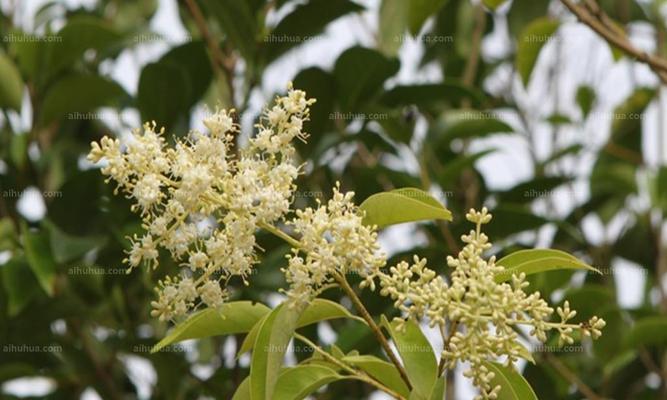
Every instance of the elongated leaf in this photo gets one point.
(78, 94)
(649, 331)
(402, 205)
(11, 84)
(318, 310)
(493, 4)
(274, 334)
(385, 372)
(428, 94)
(532, 261)
(419, 12)
(531, 41)
(360, 73)
(306, 21)
(514, 386)
(417, 355)
(230, 318)
(392, 25)
(298, 382)
(40, 259)
(438, 392)
(19, 284)
(243, 391)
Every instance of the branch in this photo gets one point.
(598, 21)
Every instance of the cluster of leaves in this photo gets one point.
(61, 286)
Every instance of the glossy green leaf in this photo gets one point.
(274, 334)
(513, 385)
(305, 22)
(417, 355)
(464, 124)
(439, 388)
(533, 261)
(78, 93)
(385, 372)
(160, 102)
(393, 23)
(11, 84)
(360, 73)
(40, 259)
(318, 310)
(19, 284)
(230, 318)
(402, 205)
(531, 41)
(493, 4)
(298, 382)
(419, 12)
(243, 391)
(649, 331)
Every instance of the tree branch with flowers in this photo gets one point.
(202, 205)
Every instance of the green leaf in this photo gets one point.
(402, 205)
(160, 102)
(417, 355)
(393, 23)
(649, 331)
(318, 310)
(430, 94)
(78, 93)
(40, 259)
(438, 391)
(385, 372)
(419, 12)
(585, 99)
(230, 318)
(531, 41)
(533, 261)
(19, 284)
(513, 385)
(493, 4)
(196, 64)
(237, 21)
(463, 124)
(11, 84)
(274, 334)
(66, 247)
(360, 73)
(509, 219)
(298, 382)
(81, 33)
(243, 391)
(305, 22)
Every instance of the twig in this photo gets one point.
(601, 24)
(571, 377)
(374, 327)
(360, 375)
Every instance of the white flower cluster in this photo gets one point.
(334, 242)
(199, 183)
(484, 313)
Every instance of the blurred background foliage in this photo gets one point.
(589, 185)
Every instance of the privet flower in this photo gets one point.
(333, 241)
(485, 312)
(202, 204)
